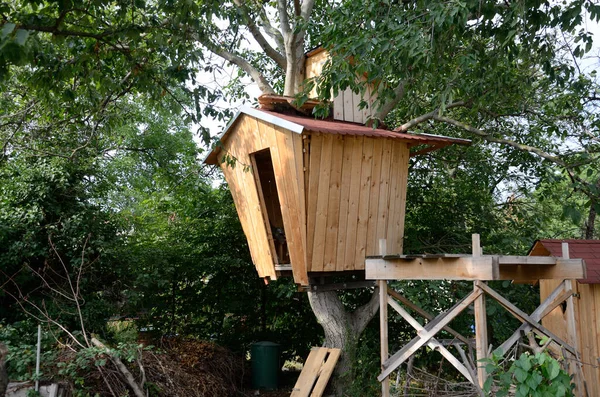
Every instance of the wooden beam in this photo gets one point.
(432, 328)
(433, 343)
(481, 335)
(465, 268)
(426, 315)
(383, 337)
(553, 300)
(525, 318)
(342, 286)
(470, 268)
(563, 269)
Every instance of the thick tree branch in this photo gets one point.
(387, 107)
(275, 34)
(307, 7)
(258, 36)
(363, 315)
(240, 62)
(427, 116)
(284, 19)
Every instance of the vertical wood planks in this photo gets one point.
(352, 223)
(292, 195)
(322, 204)
(399, 169)
(316, 147)
(345, 192)
(348, 105)
(372, 240)
(384, 195)
(363, 204)
(333, 208)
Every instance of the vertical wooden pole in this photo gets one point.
(481, 337)
(573, 338)
(383, 323)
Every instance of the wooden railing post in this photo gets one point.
(573, 338)
(383, 323)
(481, 337)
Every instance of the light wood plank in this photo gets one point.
(333, 208)
(430, 269)
(338, 106)
(384, 191)
(363, 204)
(563, 269)
(358, 114)
(400, 207)
(316, 147)
(345, 193)
(372, 239)
(293, 232)
(392, 232)
(322, 204)
(348, 105)
(300, 185)
(309, 373)
(352, 223)
(326, 372)
(383, 335)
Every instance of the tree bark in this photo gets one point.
(342, 328)
(591, 222)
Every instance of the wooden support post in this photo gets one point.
(581, 388)
(383, 323)
(481, 337)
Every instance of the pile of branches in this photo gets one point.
(182, 368)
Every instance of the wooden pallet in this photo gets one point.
(316, 372)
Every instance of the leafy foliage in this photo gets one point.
(535, 375)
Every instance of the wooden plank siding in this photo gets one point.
(355, 183)
(338, 196)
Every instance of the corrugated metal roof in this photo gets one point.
(346, 128)
(305, 124)
(588, 250)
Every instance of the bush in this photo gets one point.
(535, 375)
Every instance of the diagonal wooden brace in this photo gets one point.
(553, 300)
(524, 318)
(432, 328)
(433, 343)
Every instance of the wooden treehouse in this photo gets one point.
(322, 197)
(316, 196)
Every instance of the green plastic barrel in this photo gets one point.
(265, 365)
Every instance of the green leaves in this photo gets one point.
(530, 375)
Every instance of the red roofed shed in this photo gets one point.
(587, 304)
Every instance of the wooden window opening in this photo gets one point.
(264, 174)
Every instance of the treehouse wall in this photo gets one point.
(249, 136)
(337, 195)
(346, 103)
(356, 195)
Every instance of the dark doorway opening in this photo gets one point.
(264, 174)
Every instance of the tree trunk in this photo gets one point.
(342, 329)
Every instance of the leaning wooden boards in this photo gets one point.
(316, 372)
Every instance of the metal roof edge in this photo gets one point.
(453, 139)
(269, 118)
